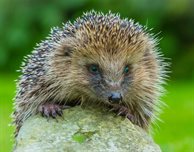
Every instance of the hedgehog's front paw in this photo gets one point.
(123, 111)
(51, 110)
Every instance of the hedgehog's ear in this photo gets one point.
(65, 51)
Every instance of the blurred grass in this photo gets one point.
(176, 134)
(7, 90)
(26, 22)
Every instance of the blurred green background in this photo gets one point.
(23, 23)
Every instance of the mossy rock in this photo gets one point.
(83, 129)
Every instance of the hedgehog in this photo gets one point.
(99, 59)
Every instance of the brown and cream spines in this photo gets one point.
(100, 58)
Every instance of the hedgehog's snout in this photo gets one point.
(115, 97)
(114, 91)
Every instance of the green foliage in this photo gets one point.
(26, 22)
(175, 133)
(6, 94)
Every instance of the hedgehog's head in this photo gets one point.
(110, 59)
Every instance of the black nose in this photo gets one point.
(115, 97)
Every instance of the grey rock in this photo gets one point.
(83, 129)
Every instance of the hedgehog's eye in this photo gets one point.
(93, 68)
(126, 70)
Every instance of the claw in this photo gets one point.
(46, 112)
(54, 114)
(118, 114)
(60, 112)
(122, 111)
(130, 117)
(51, 110)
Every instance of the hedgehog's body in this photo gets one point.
(100, 58)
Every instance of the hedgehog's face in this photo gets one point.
(109, 85)
(107, 77)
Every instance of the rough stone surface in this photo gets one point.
(83, 129)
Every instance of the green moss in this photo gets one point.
(81, 136)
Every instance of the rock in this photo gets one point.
(83, 129)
